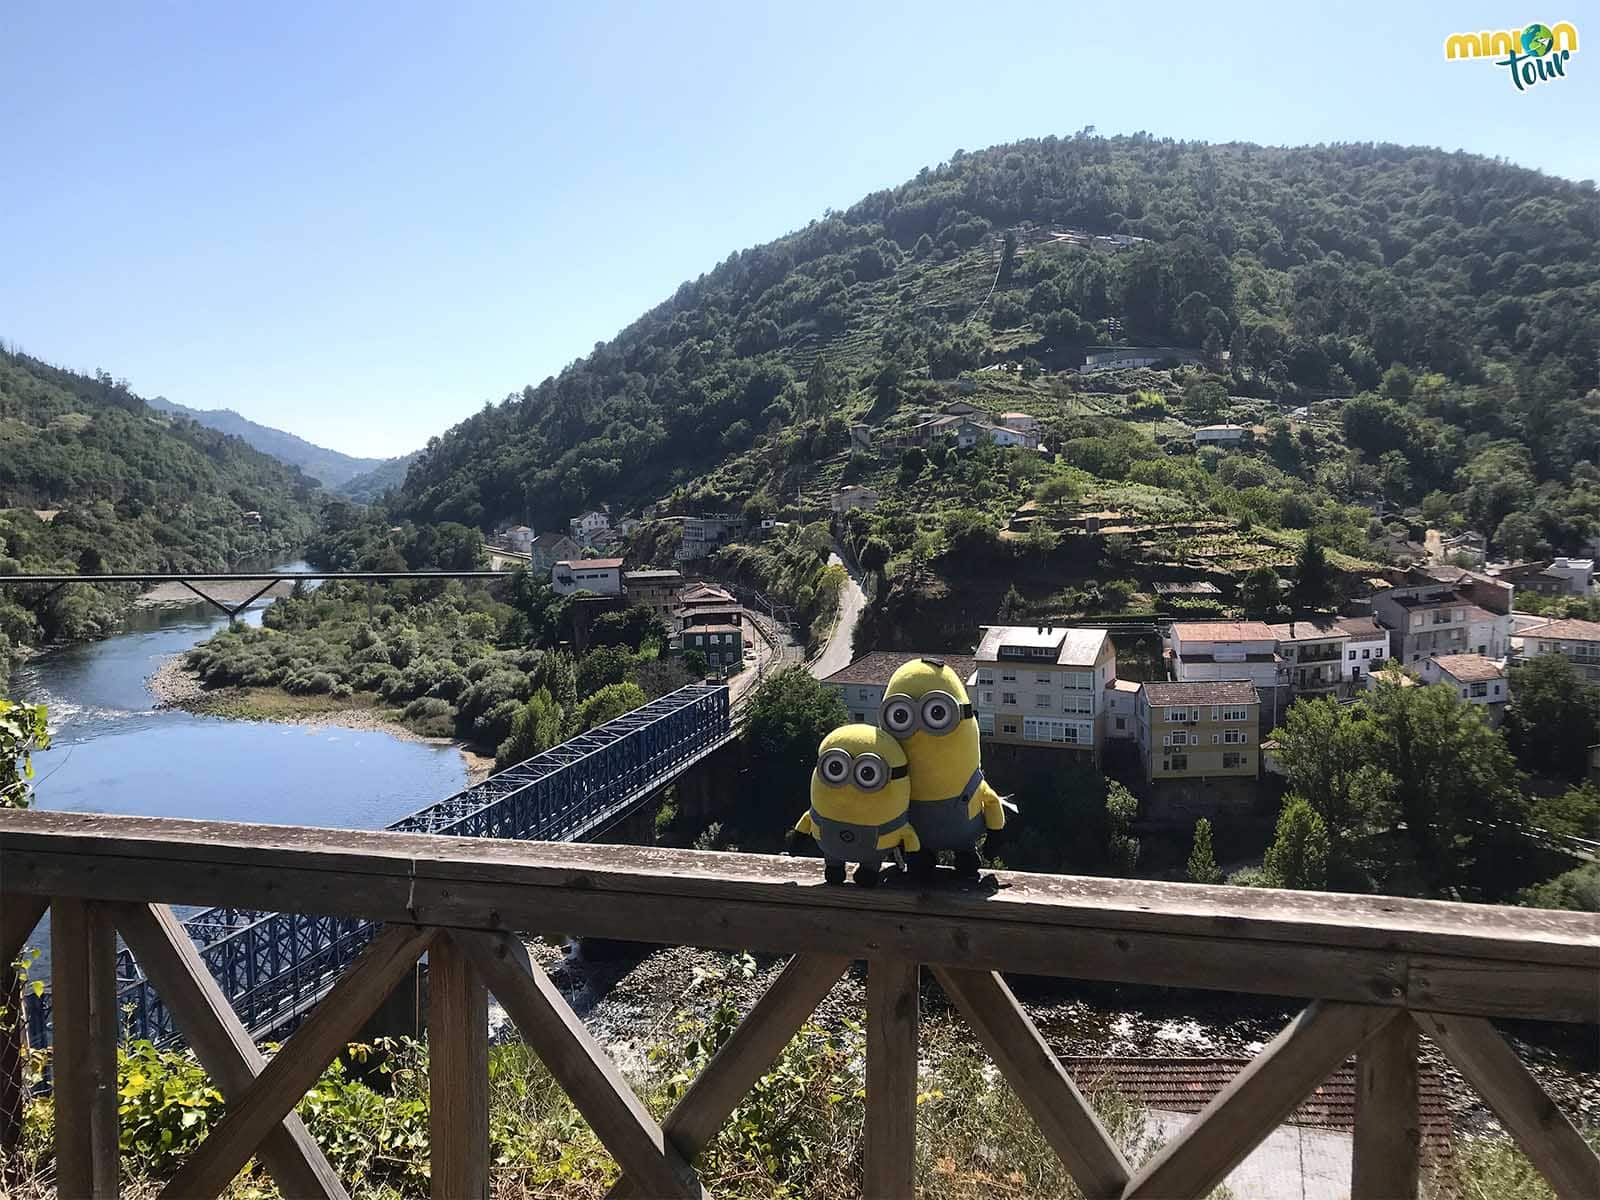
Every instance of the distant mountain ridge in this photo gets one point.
(328, 467)
(388, 476)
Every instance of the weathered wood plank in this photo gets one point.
(299, 1063)
(1387, 1161)
(889, 1169)
(579, 1063)
(220, 1041)
(83, 991)
(747, 1054)
(458, 1075)
(1540, 1128)
(1373, 922)
(18, 916)
(1257, 1101)
(1064, 1117)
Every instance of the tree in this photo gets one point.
(1574, 813)
(536, 727)
(1298, 856)
(1554, 715)
(1204, 401)
(875, 556)
(1517, 535)
(1011, 604)
(1313, 577)
(609, 703)
(23, 730)
(1122, 848)
(1327, 752)
(1008, 258)
(601, 667)
(1260, 592)
(789, 715)
(1202, 865)
(1040, 540)
(912, 463)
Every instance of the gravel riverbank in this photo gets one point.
(175, 686)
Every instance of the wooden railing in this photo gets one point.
(1375, 970)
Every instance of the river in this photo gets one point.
(112, 750)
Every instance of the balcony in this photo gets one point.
(1375, 972)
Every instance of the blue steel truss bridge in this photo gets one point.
(274, 967)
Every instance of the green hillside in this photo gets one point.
(328, 467)
(1297, 273)
(92, 479)
(371, 484)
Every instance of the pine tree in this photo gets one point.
(1298, 856)
(1202, 865)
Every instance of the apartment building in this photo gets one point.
(1313, 653)
(1433, 619)
(587, 525)
(1477, 680)
(602, 576)
(1199, 730)
(1576, 641)
(1208, 650)
(1552, 576)
(861, 684)
(723, 645)
(1044, 685)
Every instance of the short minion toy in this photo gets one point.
(860, 797)
(925, 707)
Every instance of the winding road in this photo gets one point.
(840, 650)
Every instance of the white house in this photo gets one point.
(546, 550)
(1475, 678)
(1122, 709)
(1026, 422)
(854, 495)
(1202, 650)
(1219, 435)
(586, 526)
(1367, 650)
(970, 433)
(602, 576)
(1576, 641)
(519, 538)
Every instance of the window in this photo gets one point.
(1234, 737)
(1041, 676)
(1008, 676)
(985, 677)
(864, 693)
(1078, 703)
(1236, 714)
(1464, 693)
(1352, 656)
(1216, 712)
(1041, 700)
(1177, 739)
(1121, 724)
(1077, 679)
(858, 718)
(1177, 715)
(988, 697)
(985, 722)
(1364, 654)
(1180, 762)
(1232, 760)
(1480, 689)
(1067, 733)
(1009, 725)
(1008, 697)
(1497, 689)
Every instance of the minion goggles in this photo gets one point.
(869, 771)
(937, 713)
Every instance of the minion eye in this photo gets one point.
(899, 717)
(870, 773)
(834, 767)
(940, 713)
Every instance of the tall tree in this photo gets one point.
(1202, 863)
(1260, 593)
(1298, 856)
(1313, 577)
(1554, 718)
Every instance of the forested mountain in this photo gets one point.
(93, 479)
(1297, 273)
(328, 467)
(371, 484)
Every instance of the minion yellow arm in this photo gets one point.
(909, 840)
(805, 825)
(986, 798)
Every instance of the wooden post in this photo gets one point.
(1388, 1137)
(890, 1168)
(83, 966)
(18, 916)
(458, 1075)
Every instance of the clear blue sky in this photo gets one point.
(359, 222)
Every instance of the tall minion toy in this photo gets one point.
(860, 799)
(925, 708)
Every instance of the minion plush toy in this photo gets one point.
(860, 798)
(925, 708)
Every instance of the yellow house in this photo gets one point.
(1201, 729)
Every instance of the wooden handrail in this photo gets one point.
(1376, 970)
(1480, 960)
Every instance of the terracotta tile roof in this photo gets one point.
(603, 564)
(1363, 628)
(1308, 631)
(880, 664)
(1223, 631)
(1468, 668)
(1570, 629)
(1202, 691)
(1186, 1085)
